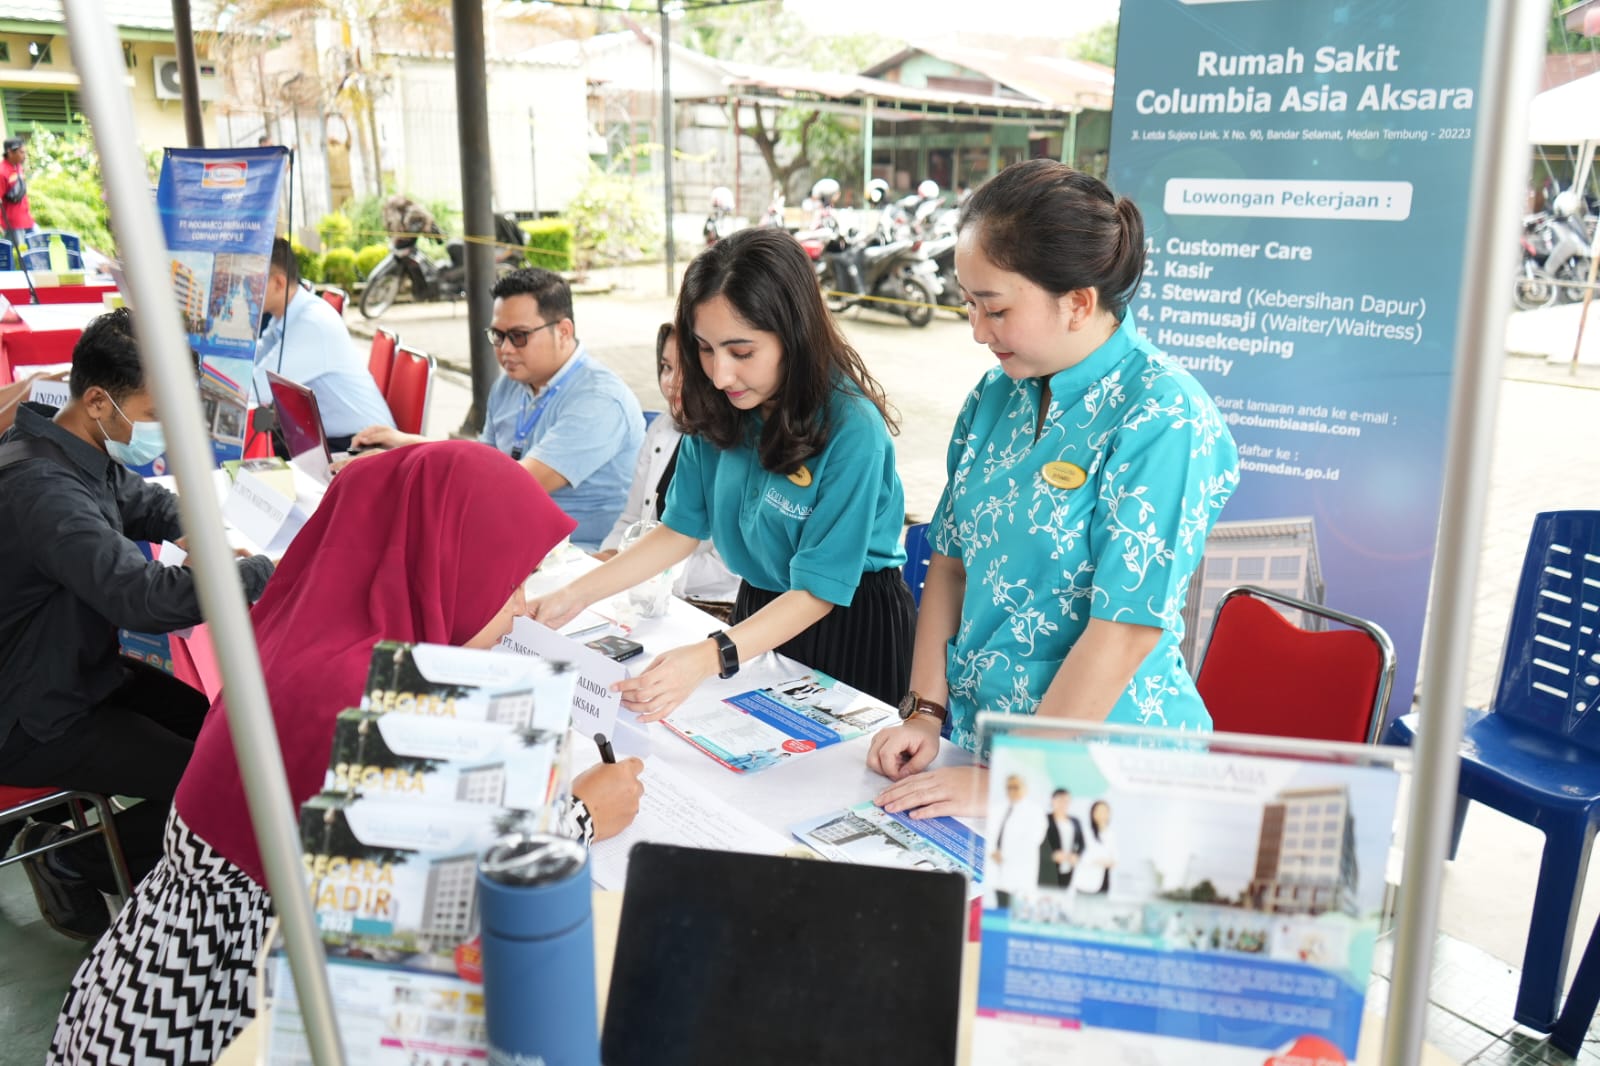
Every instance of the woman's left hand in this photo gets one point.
(951, 790)
(668, 680)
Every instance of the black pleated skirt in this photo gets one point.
(867, 645)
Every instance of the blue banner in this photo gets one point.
(1303, 171)
(219, 211)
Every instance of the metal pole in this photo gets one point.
(533, 161)
(477, 200)
(738, 171)
(1515, 33)
(666, 140)
(1069, 147)
(164, 351)
(188, 74)
(868, 106)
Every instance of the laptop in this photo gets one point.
(301, 423)
(726, 957)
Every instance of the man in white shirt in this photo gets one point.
(307, 343)
(1014, 856)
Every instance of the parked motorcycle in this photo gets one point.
(1534, 289)
(1564, 236)
(434, 279)
(893, 270)
(719, 222)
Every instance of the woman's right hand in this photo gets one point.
(905, 749)
(378, 437)
(612, 792)
(557, 607)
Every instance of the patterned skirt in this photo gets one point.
(173, 979)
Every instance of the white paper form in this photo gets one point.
(675, 810)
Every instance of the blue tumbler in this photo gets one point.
(538, 952)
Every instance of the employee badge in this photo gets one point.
(1063, 475)
(802, 477)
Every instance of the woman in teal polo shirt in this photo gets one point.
(1085, 471)
(787, 466)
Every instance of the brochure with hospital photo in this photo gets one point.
(868, 835)
(755, 730)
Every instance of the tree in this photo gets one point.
(1098, 45)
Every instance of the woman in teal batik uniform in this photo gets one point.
(1085, 471)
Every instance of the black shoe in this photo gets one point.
(70, 905)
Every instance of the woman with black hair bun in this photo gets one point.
(788, 467)
(1085, 471)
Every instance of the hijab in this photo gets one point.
(423, 544)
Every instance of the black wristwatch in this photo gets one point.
(727, 654)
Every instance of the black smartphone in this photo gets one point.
(618, 648)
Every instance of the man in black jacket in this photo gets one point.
(1063, 843)
(74, 712)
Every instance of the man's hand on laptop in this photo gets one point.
(374, 437)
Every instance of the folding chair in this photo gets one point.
(409, 389)
(1535, 755)
(17, 804)
(1263, 674)
(335, 297)
(918, 552)
(380, 358)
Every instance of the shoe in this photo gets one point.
(70, 905)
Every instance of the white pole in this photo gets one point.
(1515, 35)
(165, 353)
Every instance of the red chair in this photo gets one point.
(409, 389)
(1264, 675)
(17, 804)
(380, 359)
(335, 297)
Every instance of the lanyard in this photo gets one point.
(530, 418)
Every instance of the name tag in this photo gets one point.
(267, 517)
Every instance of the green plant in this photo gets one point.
(369, 257)
(549, 243)
(366, 217)
(614, 220)
(339, 267)
(336, 231)
(64, 190)
(309, 262)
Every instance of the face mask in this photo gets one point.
(146, 443)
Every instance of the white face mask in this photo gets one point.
(147, 442)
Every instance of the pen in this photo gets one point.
(606, 754)
(587, 630)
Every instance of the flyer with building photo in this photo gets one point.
(1165, 906)
(762, 728)
(869, 835)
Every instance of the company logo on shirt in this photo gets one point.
(225, 175)
(776, 499)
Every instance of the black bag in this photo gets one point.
(17, 191)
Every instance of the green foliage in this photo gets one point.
(366, 218)
(369, 257)
(614, 220)
(309, 262)
(64, 190)
(336, 231)
(830, 142)
(1098, 45)
(339, 267)
(549, 243)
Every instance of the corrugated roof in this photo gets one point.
(857, 86)
(129, 14)
(1066, 84)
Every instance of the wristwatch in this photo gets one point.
(914, 704)
(727, 654)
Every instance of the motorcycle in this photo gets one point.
(870, 267)
(1534, 289)
(434, 279)
(1564, 238)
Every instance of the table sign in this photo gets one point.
(1196, 900)
(262, 513)
(47, 390)
(594, 705)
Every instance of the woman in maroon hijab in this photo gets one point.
(426, 544)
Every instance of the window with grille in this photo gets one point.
(54, 109)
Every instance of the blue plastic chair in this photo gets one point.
(1536, 755)
(918, 552)
(7, 259)
(37, 254)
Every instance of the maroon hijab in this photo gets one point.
(424, 544)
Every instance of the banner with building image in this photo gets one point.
(219, 211)
(1170, 905)
(1303, 171)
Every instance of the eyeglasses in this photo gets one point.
(517, 337)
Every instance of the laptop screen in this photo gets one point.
(300, 421)
(725, 957)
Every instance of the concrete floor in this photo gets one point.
(1544, 458)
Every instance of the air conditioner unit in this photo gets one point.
(167, 88)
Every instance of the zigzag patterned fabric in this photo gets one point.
(173, 979)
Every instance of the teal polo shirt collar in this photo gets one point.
(1076, 378)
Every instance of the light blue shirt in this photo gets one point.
(319, 355)
(589, 432)
(1156, 463)
(819, 529)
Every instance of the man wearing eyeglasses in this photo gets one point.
(568, 419)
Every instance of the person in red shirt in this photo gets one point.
(14, 213)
